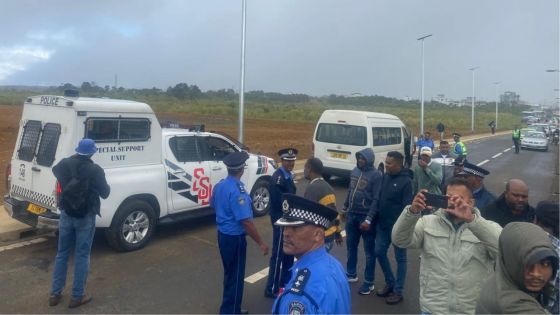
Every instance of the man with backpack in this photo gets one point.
(82, 183)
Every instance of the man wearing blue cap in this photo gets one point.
(474, 175)
(318, 284)
(234, 218)
(82, 183)
(282, 182)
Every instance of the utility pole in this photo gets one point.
(242, 85)
(422, 93)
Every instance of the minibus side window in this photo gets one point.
(342, 134)
(29, 139)
(48, 144)
(386, 136)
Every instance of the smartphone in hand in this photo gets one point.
(436, 201)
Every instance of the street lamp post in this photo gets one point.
(242, 85)
(558, 98)
(422, 93)
(496, 85)
(472, 105)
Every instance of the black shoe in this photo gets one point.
(269, 294)
(242, 311)
(394, 298)
(81, 301)
(54, 299)
(385, 292)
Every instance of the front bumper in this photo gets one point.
(536, 146)
(17, 210)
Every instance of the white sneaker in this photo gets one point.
(352, 279)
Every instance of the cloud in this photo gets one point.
(18, 58)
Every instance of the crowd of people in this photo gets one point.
(479, 253)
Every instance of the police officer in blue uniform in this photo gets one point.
(281, 182)
(475, 177)
(234, 218)
(318, 284)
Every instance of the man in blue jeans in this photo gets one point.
(396, 193)
(360, 209)
(76, 227)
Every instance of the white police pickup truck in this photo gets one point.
(156, 174)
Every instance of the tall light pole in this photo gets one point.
(496, 86)
(472, 105)
(242, 85)
(422, 94)
(558, 98)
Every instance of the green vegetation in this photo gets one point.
(276, 106)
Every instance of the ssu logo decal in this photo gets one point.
(202, 186)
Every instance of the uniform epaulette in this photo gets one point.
(241, 187)
(301, 280)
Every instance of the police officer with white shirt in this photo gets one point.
(318, 284)
(234, 219)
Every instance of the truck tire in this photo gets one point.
(132, 226)
(260, 196)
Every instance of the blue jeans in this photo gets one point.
(382, 243)
(233, 250)
(280, 264)
(353, 234)
(73, 233)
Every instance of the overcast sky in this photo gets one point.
(317, 47)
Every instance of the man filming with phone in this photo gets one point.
(458, 246)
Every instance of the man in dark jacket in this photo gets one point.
(396, 193)
(511, 206)
(281, 182)
(361, 207)
(526, 263)
(76, 231)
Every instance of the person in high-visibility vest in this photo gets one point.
(459, 148)
(516, 137)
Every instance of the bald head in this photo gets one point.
(516, 194)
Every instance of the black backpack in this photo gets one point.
(75, 195)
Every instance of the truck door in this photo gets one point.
(187, 179)
(215, 150)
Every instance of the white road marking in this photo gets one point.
(483, 162)
(495, 156)
(257, 276)
(507, 150)
(264, 273)
(22, 244)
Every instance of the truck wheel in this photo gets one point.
(132, 226)
(260, 195)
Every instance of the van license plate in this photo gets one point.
(339, 155)
(36, 209)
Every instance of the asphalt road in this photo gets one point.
(180, 270)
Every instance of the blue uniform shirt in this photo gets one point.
(483, 197)
(232, 204)
(281, 182)
(318, 286)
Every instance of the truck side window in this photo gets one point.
(117, 129)
(47, 146)
(185, 149)
(216, 148)
(29, 139)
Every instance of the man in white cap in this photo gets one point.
(427, 174)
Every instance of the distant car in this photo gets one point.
(539, 127)
(525, 131)
(535, 140)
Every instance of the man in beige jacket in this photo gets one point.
(459, 248)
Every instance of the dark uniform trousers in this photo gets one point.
(233, 249)
(280, 264)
